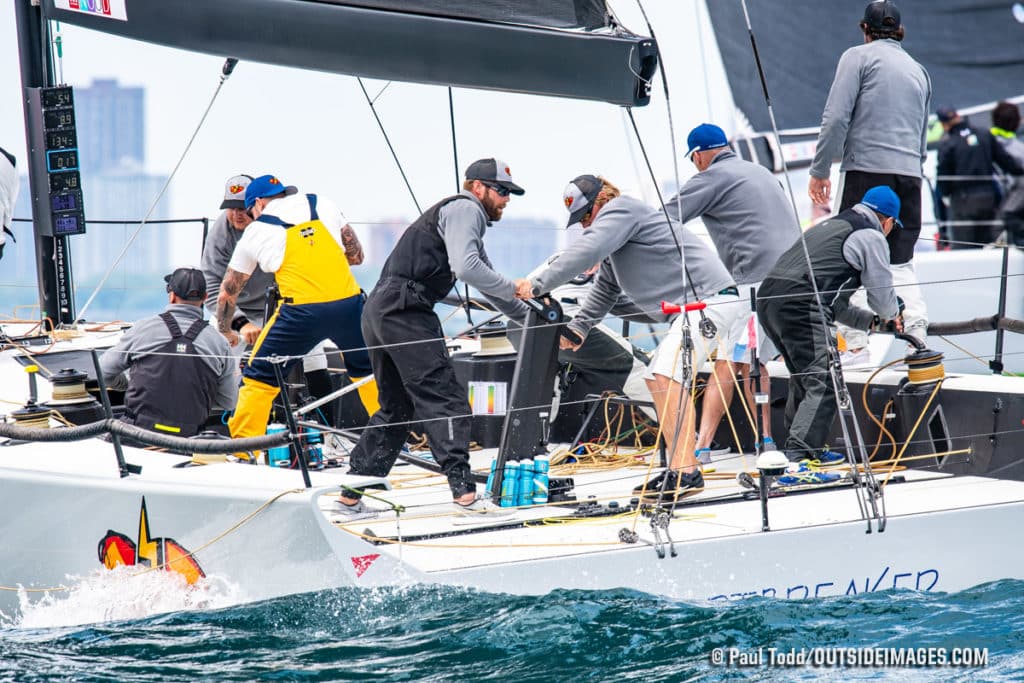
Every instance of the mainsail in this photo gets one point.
(973, 51)
(563, 48)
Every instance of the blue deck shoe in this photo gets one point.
(830, 459)
(768, 444)
(703, 456)
(808, 478)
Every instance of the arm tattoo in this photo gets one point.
(353, 249)
(229, 289)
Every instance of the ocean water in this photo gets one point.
(432, 633)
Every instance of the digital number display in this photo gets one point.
(56, 97)
(68, 224)
(65, 181)
(65, 160)
(66, 201)
(58, 118)
(61, 139)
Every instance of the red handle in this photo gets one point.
(669, 309)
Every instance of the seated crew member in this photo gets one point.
(846, 251)
(640, 250)
(299, 239)
(176, 368)
(407, 347)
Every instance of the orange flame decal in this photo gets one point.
(116, 549)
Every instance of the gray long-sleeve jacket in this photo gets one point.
(220, 244)
(642, 262)
(149, 334)
(745, 210)
(868, 252)
(876, 114)
(462, 225)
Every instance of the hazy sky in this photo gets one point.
(331, 145)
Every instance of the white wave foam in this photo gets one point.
(120, 594)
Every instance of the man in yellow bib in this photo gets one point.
(302, 240)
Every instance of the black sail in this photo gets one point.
(973, 51)
(562, 48)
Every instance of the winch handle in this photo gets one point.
(669, 308)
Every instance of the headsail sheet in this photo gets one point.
(504, 45)
(973, 51)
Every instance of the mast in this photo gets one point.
(53, 256)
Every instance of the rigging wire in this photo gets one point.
(842, 397)
(226, 71)
(387, 139)
(458, 186)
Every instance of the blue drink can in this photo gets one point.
(314, 448)
(524, 492)
(490, 476)
(541, 465)
(278, 456)
(510, 484)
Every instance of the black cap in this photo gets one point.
(187, 283)
(579, 196)
(883, 15)
(493, 171)
(945, 114)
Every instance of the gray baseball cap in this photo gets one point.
(493, 171)
(234, 191)
(579, 196)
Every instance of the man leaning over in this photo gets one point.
(299, 239)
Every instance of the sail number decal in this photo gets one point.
(107, 9)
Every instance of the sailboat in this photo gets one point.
(73, 504)
(974, 54)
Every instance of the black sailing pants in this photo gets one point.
(908, 189)
(792, 321)
(415, 380)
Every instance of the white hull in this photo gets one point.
(939, 536)
(256, 528)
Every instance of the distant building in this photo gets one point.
(111, 125)
(111, 141)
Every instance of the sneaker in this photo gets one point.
(341, 513)
(481, 508)
(678, 485)
(768, 444)
(651, 485)
(825, 460)
(717, 449)
(855, 358)
(808, 478)
(703, 456)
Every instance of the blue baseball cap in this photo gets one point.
(884, 201)
(266, 186)
(704, 137)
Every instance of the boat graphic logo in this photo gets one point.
(363, 562)
(116, 549)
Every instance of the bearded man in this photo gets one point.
(415, 378)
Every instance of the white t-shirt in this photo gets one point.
(263, 244)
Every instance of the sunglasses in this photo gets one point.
(499, 189)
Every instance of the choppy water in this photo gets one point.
(430, 633)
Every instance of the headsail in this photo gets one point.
(973, 51)
(563, 48)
